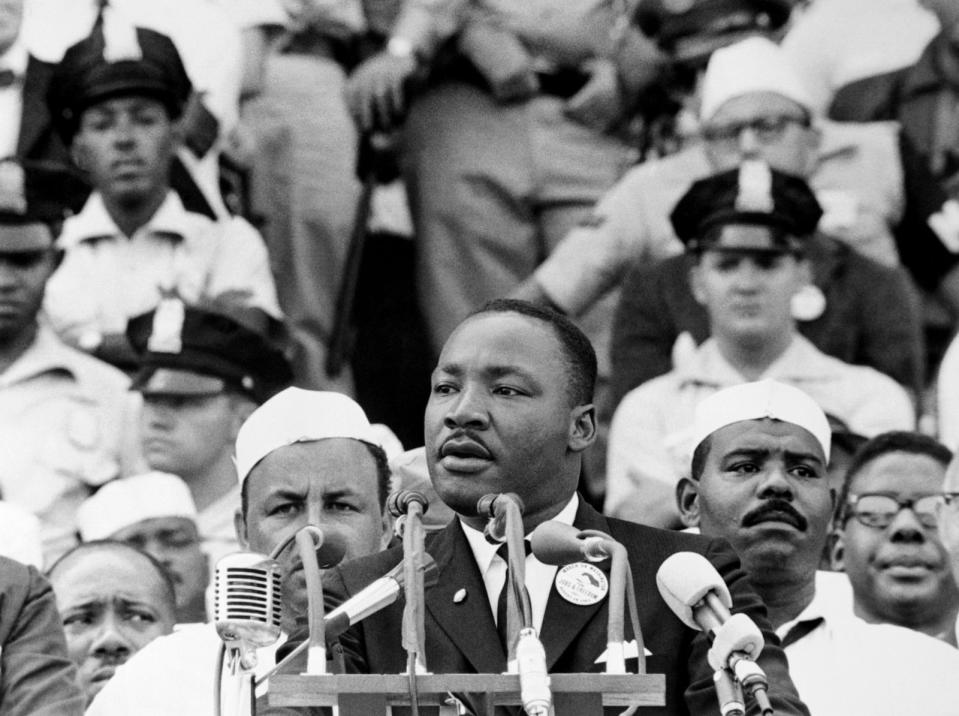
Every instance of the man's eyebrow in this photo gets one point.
(794, 456)
(493, 371)
(746, 452)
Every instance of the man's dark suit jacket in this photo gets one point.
(38, 139)
(461, 637)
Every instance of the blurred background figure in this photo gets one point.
(67, 422)
(116, 97)
(202, 371)
(886, 536)
(154, 512)
(113, 600)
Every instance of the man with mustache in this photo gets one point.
(303, 458)
(113, 600)
(203, 369)
(746, 232)
(510, 410)
(759, 480)
(116, 98)
(887, 539)
(154, 511)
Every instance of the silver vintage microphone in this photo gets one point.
(246, 606)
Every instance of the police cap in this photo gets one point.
(190, 350)
(752, 195)
(116, 59)
(690, 30)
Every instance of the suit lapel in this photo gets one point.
(468, 622)
(34, 119)
(564, 620)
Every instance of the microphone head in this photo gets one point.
(246, 599)
(330, 553)
(556, 543)
(493, 504)
(683, 579)
(398, 503)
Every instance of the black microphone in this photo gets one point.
(377, 595)
(330, 553)
(399, 503)
(561, 544)
(698, 595)
(247, 605)
(494, 507)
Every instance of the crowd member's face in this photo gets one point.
(500, 419)
(11, 16)
(748, 294)
(126, 145)
(764, 488)
(187, 434)
(174, 542)
(112, 604)
(331, 484)
(899, 573)
(949, 519)
(761, 125)
(23, 278)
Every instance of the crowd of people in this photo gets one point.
(685, 273)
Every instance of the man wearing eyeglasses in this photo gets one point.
(758, 479)
(886, 538)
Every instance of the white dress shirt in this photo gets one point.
(539, 576)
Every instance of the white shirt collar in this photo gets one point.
(484, 552)
(95, 222)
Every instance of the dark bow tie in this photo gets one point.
(7, 78)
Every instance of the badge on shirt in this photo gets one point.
(581, 583)
(808, 304)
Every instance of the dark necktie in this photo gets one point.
(801, 629)
(501, 619)
(7, 78)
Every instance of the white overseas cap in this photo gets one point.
(295, 415)
(755, 401)
(752, 65)
(129, 500)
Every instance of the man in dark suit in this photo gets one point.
(25, 127)
(510, 410)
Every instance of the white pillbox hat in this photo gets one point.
(295, 415)
(755, 401)
(129, 500)
(752, 65)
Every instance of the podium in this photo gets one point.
(370, 694)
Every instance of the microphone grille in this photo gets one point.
(247, 589)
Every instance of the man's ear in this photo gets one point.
(239, 526)
(582, 427)
(836, 550)
(687, 499)
(696, 283)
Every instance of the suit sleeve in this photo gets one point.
(36, 676)
(701, 694)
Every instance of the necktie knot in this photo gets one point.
(7, 78)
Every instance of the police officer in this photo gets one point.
(116, 98)
(203, 370)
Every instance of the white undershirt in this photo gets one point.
(539, 576)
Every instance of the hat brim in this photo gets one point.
(24, 237)
(170, 381)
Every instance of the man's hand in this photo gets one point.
(599, 104)
(376, 91)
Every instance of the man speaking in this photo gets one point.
(510, 410)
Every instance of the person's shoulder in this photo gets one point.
(654, 540)
(93, 372)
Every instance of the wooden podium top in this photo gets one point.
(374, 692)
